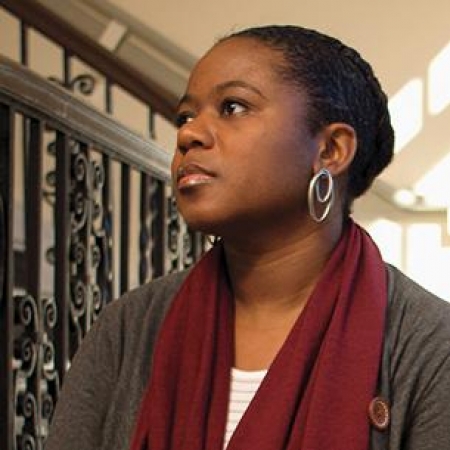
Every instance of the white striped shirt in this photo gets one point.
(244, 385)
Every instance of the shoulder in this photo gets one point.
(417, 344)
(102, 390)
(414, 313)
(126, 330)
(154, 291)
(418, 322)
(150, 300)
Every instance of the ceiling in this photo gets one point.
(401, 39)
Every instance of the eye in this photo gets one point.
(183, 118)
(233, 107)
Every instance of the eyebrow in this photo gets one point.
(188, 98)
(240, 84)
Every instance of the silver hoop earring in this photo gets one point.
(320, 192)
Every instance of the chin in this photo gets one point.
(196, 213)
(201, 226)
(204, 222)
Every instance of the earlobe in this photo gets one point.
(338, 148)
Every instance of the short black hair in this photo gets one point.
(340, 87)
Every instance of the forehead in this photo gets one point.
(238, 58)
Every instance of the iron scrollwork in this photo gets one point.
(26, 324)
(83, 83)
(183, 248)
(173, 233)
(90, 238)
(90, 242)
(36, 381)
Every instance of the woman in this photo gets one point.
(280, 129)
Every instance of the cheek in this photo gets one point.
(287, 170)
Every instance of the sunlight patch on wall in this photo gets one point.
(434, 186)
(439, 81)
(388, 236)
(406, 110)
(424, 243)
(417, 249)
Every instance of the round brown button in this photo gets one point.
(379, 413)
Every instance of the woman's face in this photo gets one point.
(244, 156)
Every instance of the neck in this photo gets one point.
(278, 276)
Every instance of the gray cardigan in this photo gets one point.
(102, 391)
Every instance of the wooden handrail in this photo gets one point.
(47, 100)
(35, 15)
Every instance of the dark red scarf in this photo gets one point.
(316, 393)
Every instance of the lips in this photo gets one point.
(191, 175)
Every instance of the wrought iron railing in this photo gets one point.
(86, 213)
(86, 210)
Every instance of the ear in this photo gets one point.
(338, 144)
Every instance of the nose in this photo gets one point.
(196, 133)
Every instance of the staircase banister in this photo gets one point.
(43, 99)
